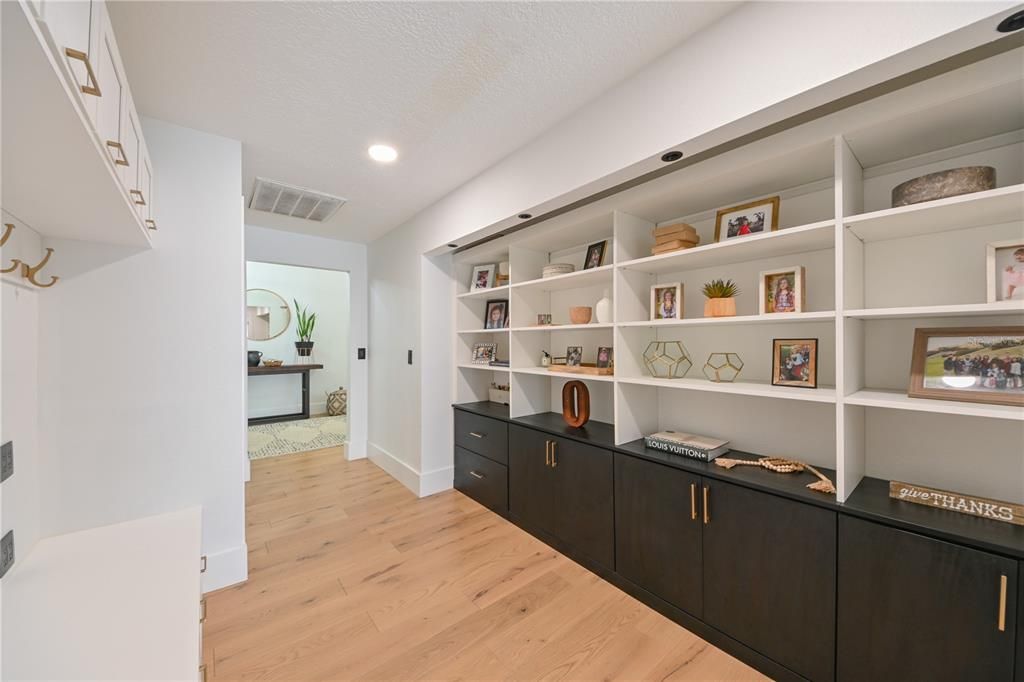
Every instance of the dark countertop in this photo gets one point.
(282, 369)
(870, 500)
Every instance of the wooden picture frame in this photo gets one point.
(574, 356)
(595, 255)
(972, 371)
(767, 290)
(996, 283)
(768, 223)
(658, 312)
(785, 372)
(476, 283)
(495, 304)
(483, 353)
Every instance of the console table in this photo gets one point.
(286, 369)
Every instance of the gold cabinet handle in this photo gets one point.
(547, 453)
(202, 673)
(1002, 603)
(141, 201)
(476, 475)
(554, 462)
(202, 610)
(150, 223)
(122, 158)
(93, 88)
(707, 512)
(693, 501)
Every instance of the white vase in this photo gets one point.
(603, 309)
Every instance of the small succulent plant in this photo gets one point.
(721, 288)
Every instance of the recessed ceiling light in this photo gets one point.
(383, 153)
(669, 157)
(453, 246)
(525, 216)
(1014, 22)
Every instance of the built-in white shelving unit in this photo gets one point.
(873, 274)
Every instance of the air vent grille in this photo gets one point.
(276, 197)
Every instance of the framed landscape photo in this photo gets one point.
(795, 363)
(496, 315)
(746, 219)
(972, 364)
(781, 291)
(595, 255)
(667, 301)
(483, 277)
(1004, 266)
(483, 353)
(574, 356)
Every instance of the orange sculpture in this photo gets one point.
(575, 403)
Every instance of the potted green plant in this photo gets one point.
(305, 321)
(721, 295)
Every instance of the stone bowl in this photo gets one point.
(580, 314)
(947, 183)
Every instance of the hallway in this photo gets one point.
(353, 576)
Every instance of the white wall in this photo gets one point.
(142, 364)
(324, 292)
(819, 52)
(289, 248)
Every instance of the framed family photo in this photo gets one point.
(795, 363)
(543, 319)
(483, 353)
(483, 277)
(746, 219)
(1004, 264)
(972, 364)
(667, 301)
(496, 316)
(595, 255)
(782, 291)
(574, 356)
(605, 356)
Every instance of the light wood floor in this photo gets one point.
(353, 577)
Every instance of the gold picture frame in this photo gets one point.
(962, 367)
(767, 224)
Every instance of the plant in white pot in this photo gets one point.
(305, 321)
(721, 295)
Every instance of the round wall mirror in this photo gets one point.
(267, 315)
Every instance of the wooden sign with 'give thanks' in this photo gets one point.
(964, 504)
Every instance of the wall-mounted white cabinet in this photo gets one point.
(75, 163)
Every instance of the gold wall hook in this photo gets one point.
(15, 264)
(30, 273)
(8, 228)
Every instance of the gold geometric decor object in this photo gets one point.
(667, 359)
(723, 367)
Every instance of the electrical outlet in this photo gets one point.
(6, 460)
(6, 553)
(361, 353)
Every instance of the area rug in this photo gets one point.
(287, 438)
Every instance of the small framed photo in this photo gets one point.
(1005, 269)
(595, 255)
(483, 277)
(782, 291)
(574, 356)
(795, 363)
(496, 316)
(972, 364)
(483, 353)
(605, 356)
(558, 360)
(667, 301)
(753, 218)
(543, 319)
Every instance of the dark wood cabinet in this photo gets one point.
(482, 479)
(1020, 624)
(482, 435)
(915, 608)
(658, 531)
(564, 488)
(770, 576)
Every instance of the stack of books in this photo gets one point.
(691, 445)
(674, 238)
(498, 363)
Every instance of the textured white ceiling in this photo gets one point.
(307, 87)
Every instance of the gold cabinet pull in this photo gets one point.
(476, 475)
(707, 512)
(693, 501)
(472, 433)
(122, 158)
(547, 453)
(141, 201)
(93, 88)
(1002, 603)
(202, 673)
(150, 223)
(554, 462)
(202, 610)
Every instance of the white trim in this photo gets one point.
(225, 568)
(394, 467)
(437, 481)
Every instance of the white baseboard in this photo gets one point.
(421, 484)
(226, 568)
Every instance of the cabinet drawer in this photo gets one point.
(482, 435)
(483, 480)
